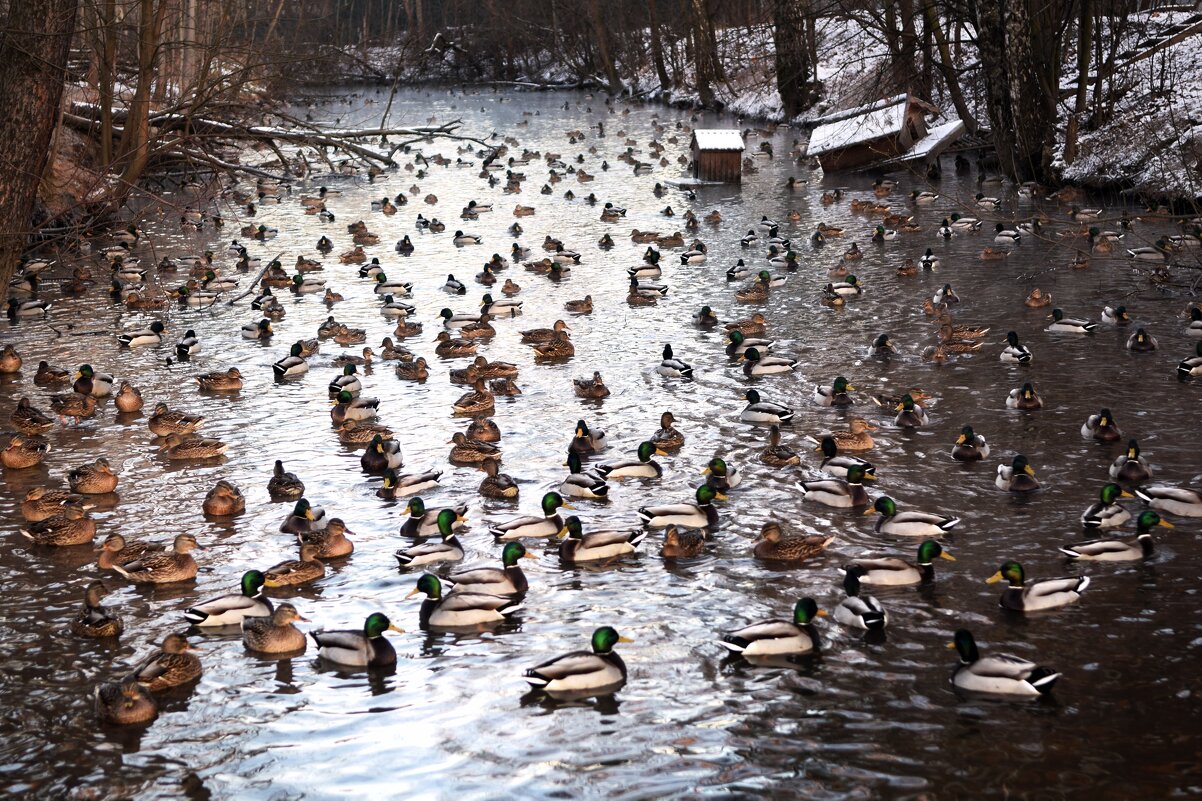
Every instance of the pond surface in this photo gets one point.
(868, 718)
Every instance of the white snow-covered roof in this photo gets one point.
(719, 139)
(856, 130)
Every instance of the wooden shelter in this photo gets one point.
(718, 154)
(874, 132)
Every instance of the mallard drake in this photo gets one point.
(448, 347)
(671, 367)
(170, 666)
(303, 518)
(294, 572)
(275, 634)
(997, 674)
(909, 524)
(163, 567)
(284, 486)
(71, 526)
(1069, 325)
(231, 609)
(856, 610)
(1192, 329)
(835, 394)
(1156, 252)
(332, 542)
(500, 308)
(585, 440)
(701, 514)
(580, 672)
(96, 478)
(737, 344)
(593, 388)
(582, 483)
(460, 610)
(756, 364)
(597, 545)
(546, 526)
(764, 412)
(381, 455)
(48, 375)
(1102, 427)
(497, 484)
(773, 545)
(1024, 398)
(970, 446)
(849, 287)
(1173, 500)
(841, 494)
(1130, 466)
(1052, 593)
(1014, 353)
(221, 380)
(1018, 476)
(178, 447)
(705, 317)
(471, 451)
(30, 420)
(428, 553)
(224, 500)
(348, 407)
(1107, 513)
(124, 703)
(90, 382)
(776, 637)
(722, 476)
(506, 580)
(41, 503)
(910, 414)
(152, 335)
(188, 344)
(423, 523)
(1142, 342)
(891, 571)
(94, 620)
(292, 365)
(643, 467)
(365, 648)
(667, 438)
(416, 370)
(397, 486)
(1120, 550)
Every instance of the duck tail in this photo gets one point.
(873, 621)
(195, 616)
(534, 679)
(1068, 551)
(1043, 679)
(734, 644)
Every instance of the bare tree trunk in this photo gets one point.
(601, 35)
(705, 50)
(1084, 44)
(135, 144)
(34, 44)
(947, 68)
(657, 46)
(792, 56)
(108, 63)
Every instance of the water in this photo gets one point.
(866, 719)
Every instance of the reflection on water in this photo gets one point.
(867, 717)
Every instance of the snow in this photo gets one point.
(856, 130)
(719, 139)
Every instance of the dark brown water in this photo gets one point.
(866, 719)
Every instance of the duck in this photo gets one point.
(598, 545)
(1173, 500)
(540, 335)
(303, 518)
(998, 674)
(776, 454)
(224, 500)
(849, 287)
(479, 401)
(1014, 353)
(360, 432)
(344, 359)
(398, 289)
(231, 609)
(856, 438)
(856, 610)
(471, 451)
(163, 567)
(593, 388)
(48, 375)
(95, 478)
(773, 545)
(910, 414)
(90, 382)
(945, 294)
(460, 610)
(275, 634)
(1018, 476)
(737, 344)
(399, 485)
(505, 580)
(1142, 342)
(929, 260)
(834, 395)
(909, 524)
(1036, 596)
(672, 367)
(499, 308)
(423, 523)
(949, 342)
(752, 326)
(1131, 467)
(1194, 327)
(332, 542)
(1037, 299)
(70, 526)
(178, 447)
(1025, 398)
(221, 380)
(757, 365)
(840, 494)
(170, 666)
(1069, 325)
(449, 347)
(94, 620)
(348, 407)
(30, 420)
(497, 484)
(775, 637)
(585, 440)
(548, 525)
(583, 672)
(681, 544)
(166, 421)
(722, 476)
(1120, 550)
(970, 446)
(1156, 252)
(764, 412)
(152, 335)
(894, 572)
(581, 483)
(1102, 427)
(294, 572)
(359, 648)
(701, 514)
(124, 703)
(41, 503)
(581, 306)
(907, 269)
(116, 550)
(381, 455)
(292, 365)
(416, 370)
(643, 467)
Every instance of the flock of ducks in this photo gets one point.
(455, 598)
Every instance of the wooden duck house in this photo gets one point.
(718, 154)
(871, 133)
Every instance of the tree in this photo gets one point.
(793, 68)
(34, 45)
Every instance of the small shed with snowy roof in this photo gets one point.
(873, 132)
(718, 154)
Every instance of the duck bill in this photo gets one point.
(869, 510)
(869, 477)
(995, 578)
(706, 472)
(821, 613)
(396, 628)
(1125, 494)
(960, 440)
(660, 452)
(1165, 524)
(625, 639)
(947, 556)
(413, 593)
(1029, 470)
(529, 556)
(719, 496)
(567, 505)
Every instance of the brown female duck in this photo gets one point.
(166, 421)
(274, 634)
(41, 503)
(773, 545)
(24, 452)
(96, 478)
(128, 398)
(170, 666)
(224, 500)
(294, 572)
(71, 526)
(94, 620)
(165, 566)
(221, 381)
(332, 542)
(668, 438)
